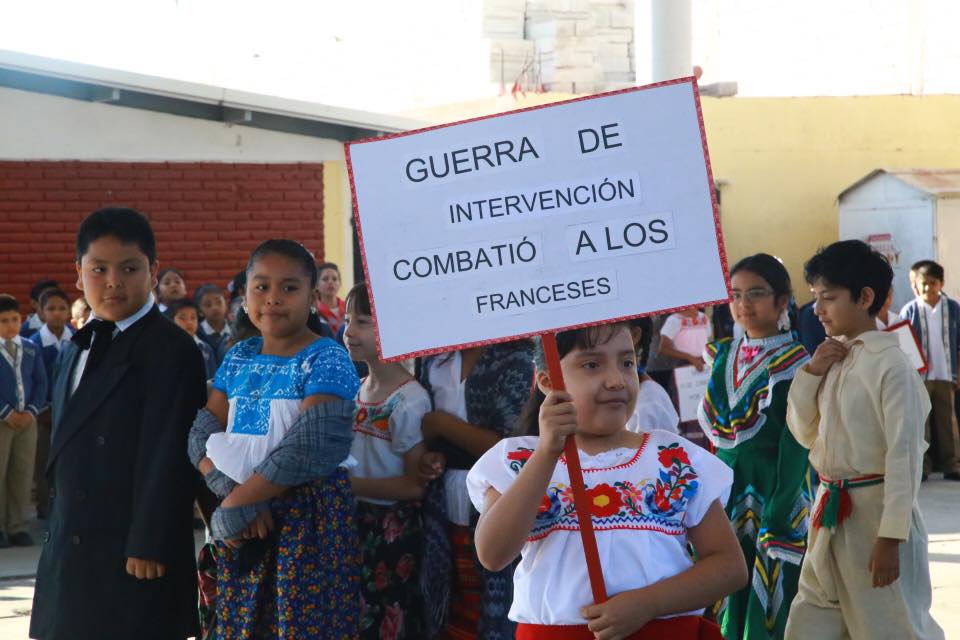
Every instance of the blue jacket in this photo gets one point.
(913, 311)
(34, 377)
(49, 353)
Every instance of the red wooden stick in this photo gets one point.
(580, 500)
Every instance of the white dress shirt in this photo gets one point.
(122, 325)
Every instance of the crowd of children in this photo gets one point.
(347, 497)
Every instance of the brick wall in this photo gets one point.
(207, 216)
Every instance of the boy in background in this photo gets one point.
(35, 320)
(936, 321)
(53, 336)
(23, 395)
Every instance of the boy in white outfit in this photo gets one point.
(860, 408)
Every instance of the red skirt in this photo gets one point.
(680, 628)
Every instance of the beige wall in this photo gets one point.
(787, 159)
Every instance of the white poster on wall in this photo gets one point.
(538, 220)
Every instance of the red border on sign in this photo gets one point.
(923, 357)
(456, 347)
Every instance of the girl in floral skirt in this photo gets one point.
(388, 445)
(287, 556)
(649, 495)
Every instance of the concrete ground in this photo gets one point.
(939, 501)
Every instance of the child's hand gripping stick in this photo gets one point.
(581, 501)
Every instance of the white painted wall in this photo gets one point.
(40, 127)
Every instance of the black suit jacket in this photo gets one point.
(122, 486)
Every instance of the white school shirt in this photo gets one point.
(15, 364)
(122, 325)
(383, 432)
(939, 363)
(654, 410)
(210, 331)
(642, 503)
(689, 335)
(47, 339)
(450, 395)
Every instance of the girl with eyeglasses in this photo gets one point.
(743, 414)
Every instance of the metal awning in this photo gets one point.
(207, 102)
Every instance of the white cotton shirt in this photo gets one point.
(654, 410)
(122, 325)
(384, 432)
(48, 339)
(866, 416)
(939, 365)
(689, 335)
(641, 531)
(892, 319)
(449, 395)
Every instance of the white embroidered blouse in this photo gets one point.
(642, 502)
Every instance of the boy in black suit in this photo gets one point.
(118, 558)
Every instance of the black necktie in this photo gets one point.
(102, 330)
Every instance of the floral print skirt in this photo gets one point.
(391, 544)
(304, 580)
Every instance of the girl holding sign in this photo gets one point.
(649, 494)
(744, 416)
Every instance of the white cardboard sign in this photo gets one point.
(910, 344)
(576, 213)
(691, 387)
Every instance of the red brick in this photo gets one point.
(46, 226)
(88, 173)
(45, 206)
(235, 235)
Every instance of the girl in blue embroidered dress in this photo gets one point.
(287, 557)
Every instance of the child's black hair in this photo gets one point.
(176, 306)
(244, 327)
(37, 290)
(290, 249)
(204, 289)
(528, 423)
(53, 293)
(238, 284)
(323, 266)
(645, 324)
(854, 266)
(928, 269)
(359, 298)
(770, 269)
(127, 225)
(8, 303)
(164, 272)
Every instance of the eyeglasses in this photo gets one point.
(752, 295)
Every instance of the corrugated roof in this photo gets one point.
(937, 182)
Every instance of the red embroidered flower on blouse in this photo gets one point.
(670, 455)
(545, 504)
(604, 500)
(520, 454)
(517, 458)
(361, 416)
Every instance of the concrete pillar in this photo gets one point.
(671, 39)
